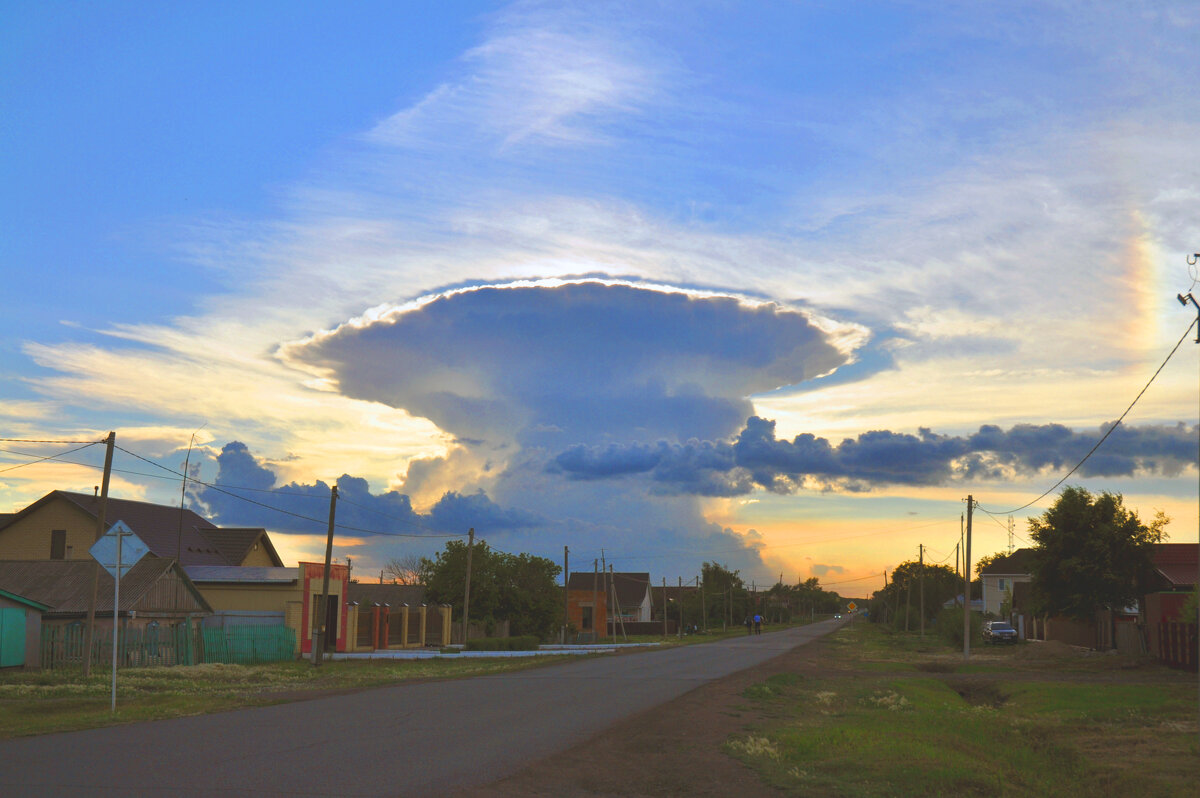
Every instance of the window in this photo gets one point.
(587, 617)
(1000, 583)
(58, 544)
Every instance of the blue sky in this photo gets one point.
(772, 284)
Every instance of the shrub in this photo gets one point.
(524, 643)
(950, 626)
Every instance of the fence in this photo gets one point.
(1177, 645)
(63, 646)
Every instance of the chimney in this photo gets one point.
(95, 492)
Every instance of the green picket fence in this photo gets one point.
(63, 646)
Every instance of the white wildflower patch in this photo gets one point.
(890, 700)
(797, 773)
(756, 747)
(825, 697)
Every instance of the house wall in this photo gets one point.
(258, 556)
(994, 594)
(577, 600)
(33, 630)
(28, 538)
(258, 597)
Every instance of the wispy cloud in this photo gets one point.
(544, 76)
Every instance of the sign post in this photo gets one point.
(118, 551)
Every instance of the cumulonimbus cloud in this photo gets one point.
(576, 362)
(756, 459)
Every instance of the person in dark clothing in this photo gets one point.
(749, 626)
(757, 624)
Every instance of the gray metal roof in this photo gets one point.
(240, 574)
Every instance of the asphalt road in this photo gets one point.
(409, 740)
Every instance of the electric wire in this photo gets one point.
(1103, 437)
(27, 440)
(346, 527)
(42, 459)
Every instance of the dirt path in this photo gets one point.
(674, 749)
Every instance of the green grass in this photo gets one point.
(38, 702)
(953, 729)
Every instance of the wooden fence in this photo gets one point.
(1177, 645)
(63, 646)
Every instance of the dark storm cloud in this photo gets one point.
(388, 513)
(757, 459)
(575, 363)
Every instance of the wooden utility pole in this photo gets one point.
(595, 598)
(922, 561)
(681, 608)
(604, 576)
(664, 608)
(703, 606)
(320, 628)
(467, 584)
(566, 593)
(967, 583)
(612, 580)
(90, 630)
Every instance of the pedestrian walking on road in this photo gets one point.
(757, 624)
(749, 626)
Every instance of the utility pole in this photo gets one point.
(318, 639)
(617, 605)
(922, 561)
(1010, 534)
(595, 598)
(681, 608)
(90, 631)
(885, 595)
(664, 603)
(604, 576)
(967, 583)
(467, 584)
(1193, 260)
(703, 606)
(566, 593)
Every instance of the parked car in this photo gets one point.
(999, 632)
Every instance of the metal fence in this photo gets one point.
(63, 646)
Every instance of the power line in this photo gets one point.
(222, 489)
(1103, 437)
(27, 440)
(41, 459)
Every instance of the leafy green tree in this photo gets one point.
(519, 588)
(1091, 553)
(891, 603)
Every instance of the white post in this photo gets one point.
(116, 610)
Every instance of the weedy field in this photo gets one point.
(891, 714)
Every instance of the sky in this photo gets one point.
(774, 285)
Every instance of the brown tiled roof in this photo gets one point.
(163, 529)
(1016, 564)
(368, 593)
(65, 585)
(235, 543)
(631, 586)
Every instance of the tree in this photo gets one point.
(941, 584)
(985, 562)
(519, 588)
(404, 570)
(1091, 553)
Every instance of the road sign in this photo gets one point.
(130, 549)
(852, 606)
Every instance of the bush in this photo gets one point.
(525, 643)
(950, 626)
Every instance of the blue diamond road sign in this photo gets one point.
(104, 550)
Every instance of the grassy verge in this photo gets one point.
(39, 702)
(895, 716)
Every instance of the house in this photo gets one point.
(20, 631)
(998, 579)
(155, 593)
(1171, 584)
(590, 601)
(251, 595)
(62, 526)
